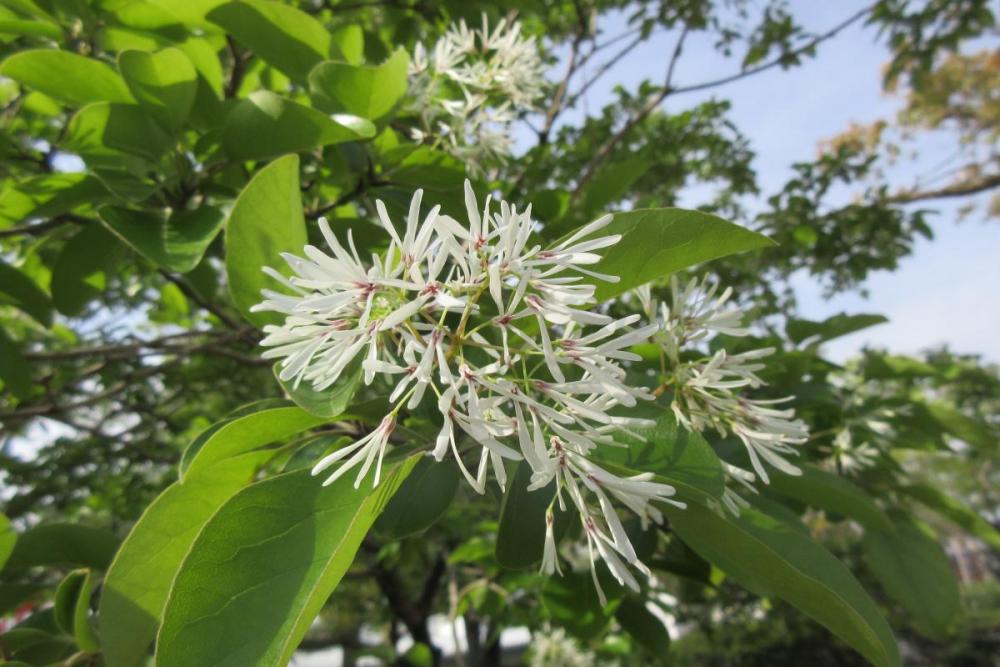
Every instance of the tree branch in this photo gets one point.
(557, 100)
(816, 41)
(960, 189)
(654, 100)
(191, 293)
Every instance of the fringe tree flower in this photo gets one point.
(471, 85)
(501, 334)
(707, 392)
(850, 458)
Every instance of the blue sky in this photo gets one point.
(945, 292)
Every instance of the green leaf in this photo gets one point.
(571, 601)
(329, 402)
(72, 608)
(30, 29)
(264, 566)
(20, 291)
(643, 626)
(836, 326)
(102, 131)
(823, 490)
(246, 433)
(14, 369)
(430, 169)
(282, 35)
(67, 77)
(349, 43)
(521, 532)
(8, 538)
(136, 587)
(366, 91)
(677, 457)
(47, 196)
(63, 544)
(612, 183)
(420, 501)
(164, 82)
(769, 557)
(914, 570)
(81, 271)
(33, 646)
(658, 242)
(265, 221)
(265, 124)
(199, 441)
(176, 244)
(955, 512)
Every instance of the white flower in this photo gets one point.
(850, 458)
(708, 391)
(446, 311)
(497, 74)
(368, 449)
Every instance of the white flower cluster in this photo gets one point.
(469, 88)
(502, 333)
(706, 391)
(867, 431)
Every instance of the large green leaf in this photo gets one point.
(82, 269)
(48, 195)
(421, 500)
(836, 326)
(284, 36)
(914, 570)
(658, 242)
(102, 131)
(263, 567)
(772, 558)
(67, 77)
(177, 243)
(20, 291)
(824, 490)
(955, 512)
(164, 82)
(265, 125)
(136, 587)
(677, 456)
(366, 91)
(266, 221)
(246, 433)
(63, 544)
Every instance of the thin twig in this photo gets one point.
(654, 100)
(833, 32)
